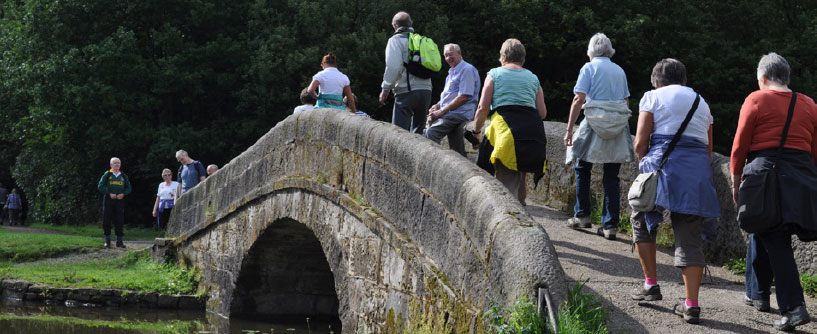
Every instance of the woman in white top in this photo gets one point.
(333, 85)
(165, 198)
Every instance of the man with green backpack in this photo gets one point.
(411, 59)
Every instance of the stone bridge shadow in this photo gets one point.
(333, 215)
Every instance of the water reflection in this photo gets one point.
(37, 318)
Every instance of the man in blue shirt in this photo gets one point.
(191, 172)
(457, 101)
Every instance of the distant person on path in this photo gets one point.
(114, 186)
(769, 257)
(684, 185)
(3, 194)
(332, 84)
(190, 173)
(307, 101)
(457, 101)
(515, 141)
(165, 198)
(412, 95)
(603, 136)
(15, 205)
(212, 168)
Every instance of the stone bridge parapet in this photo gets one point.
(412, 236)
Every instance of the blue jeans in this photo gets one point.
(410, 110)
(783, 270)
(612, 192)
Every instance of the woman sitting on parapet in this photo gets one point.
(333, 85)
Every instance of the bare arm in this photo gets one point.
(312, 87)
(575, 109)
(156, 206)
(456, 103)
(347, 91)
(642, 134)
(540, 104)
(484, 103)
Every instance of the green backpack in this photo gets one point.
(424, 56)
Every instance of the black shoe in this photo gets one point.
(120, 244)
(653, 293)
(692, 315)
(796, 317)
(761, 305)
(107, 244)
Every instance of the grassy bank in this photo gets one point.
(579, 314)
(133, 271)
(26, 247)
(95, 230)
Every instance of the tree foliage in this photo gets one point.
(85, 80)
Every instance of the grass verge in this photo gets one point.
(72, 324)
(809, 283)
(26, 247)
(737, 265)
(580, 313)
(132, 271)
(131, 233)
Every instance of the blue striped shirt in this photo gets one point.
(514, 87)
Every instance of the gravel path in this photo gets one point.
(613, 270)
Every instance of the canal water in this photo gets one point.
(17, 317)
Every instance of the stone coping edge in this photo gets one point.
(72, 297)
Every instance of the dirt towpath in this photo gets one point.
(613, 270)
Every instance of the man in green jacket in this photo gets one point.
(114, 186)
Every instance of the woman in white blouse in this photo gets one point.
(165, 198)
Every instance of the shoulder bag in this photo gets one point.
(759, 195)
(644, 190)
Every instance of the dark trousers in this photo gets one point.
(612, 203)
(782, 270)
(113, 211)
(410, 110)
(163, 217)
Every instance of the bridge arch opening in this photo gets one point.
(286, 275)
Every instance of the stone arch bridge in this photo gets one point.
(331, 214)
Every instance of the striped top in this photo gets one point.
(513, 88)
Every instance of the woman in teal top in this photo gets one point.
(515, 141)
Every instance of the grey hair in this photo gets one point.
(401, 19)
(775, 68)
(453, 46)
(600, 46)
(513, 51)
(667, 72)
(181, 153)
(115, 159)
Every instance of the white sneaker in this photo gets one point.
(576, 222)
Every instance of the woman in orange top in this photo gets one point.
(760, 129)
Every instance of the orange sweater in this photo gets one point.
(761, 123)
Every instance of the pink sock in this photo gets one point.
(651, 281)
(692, 302)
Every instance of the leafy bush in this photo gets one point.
(809, 283)
(737, 265)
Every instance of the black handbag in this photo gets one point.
(759, 195)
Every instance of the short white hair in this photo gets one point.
(775, 68)
(181, 153)
(600, 46)
(115, 159)
(452, 46)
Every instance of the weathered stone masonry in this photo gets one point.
(413, 234)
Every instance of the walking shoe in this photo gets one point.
(120, 244)
(107, 244)
(609, 234)
(692, 315)
(761, 305)
(576, 222)
(796, 317)
(653, 293)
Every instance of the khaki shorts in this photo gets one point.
(688, 242)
